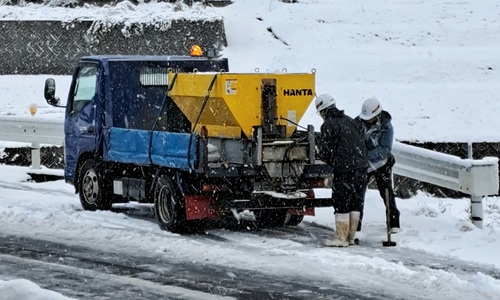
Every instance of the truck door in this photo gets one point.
(81, 112)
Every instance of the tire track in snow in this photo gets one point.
(87, 273)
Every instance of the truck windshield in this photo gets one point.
(85, 87)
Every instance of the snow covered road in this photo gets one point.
(85, 273)
(47, 238)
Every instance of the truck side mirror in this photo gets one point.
(50, 92)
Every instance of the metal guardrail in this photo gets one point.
(475, 177)
(34, 131)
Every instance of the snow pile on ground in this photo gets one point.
(440, 226)
(22, 289)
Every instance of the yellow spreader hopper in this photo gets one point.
(236, 101)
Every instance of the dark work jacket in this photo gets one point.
(341, 143)
(378, 139)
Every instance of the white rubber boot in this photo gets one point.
(353, 225)
(394, 230)
(341, 232)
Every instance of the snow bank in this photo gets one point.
(22, 289)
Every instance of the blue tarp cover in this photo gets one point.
(174, 150)
(168, 149)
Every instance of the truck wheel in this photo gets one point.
(92, 190)
(169, 210)
(293, 220)
(271, 217)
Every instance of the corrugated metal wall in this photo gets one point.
(53, 47)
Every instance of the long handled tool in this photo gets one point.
(388, 243)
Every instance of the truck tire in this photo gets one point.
(93, 192)
(169, 209)
(293, 220)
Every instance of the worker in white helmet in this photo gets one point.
(379, 134)
(341, 145)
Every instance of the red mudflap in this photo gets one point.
(198, 207)
(308, 211)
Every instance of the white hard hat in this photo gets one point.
(370, 109)
(324, 101)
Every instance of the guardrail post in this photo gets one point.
(469, 150)
(35, 156)
(476, 204)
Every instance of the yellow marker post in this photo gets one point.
(33, 108)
